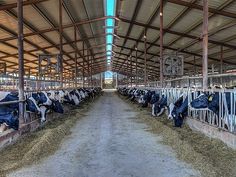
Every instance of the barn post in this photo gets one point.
(131, 64)
(83, 67)
(205, 45)
(161, 42)
(195, 69)
(20, 59)
(88, 67)
(221, 62)
(91, 68)
(145, 57)
(101, 80)
(116, 80)
(76, 64)
(126, 72)
(61, 46)
(136, 66)
(221, 58)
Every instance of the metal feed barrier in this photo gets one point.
(226, 119)
(224, 80)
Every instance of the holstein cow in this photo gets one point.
(210, 101)
(56, 99)
(179, 110)
(43, 102)
(146, 98)
(9, 112)
(158, 104)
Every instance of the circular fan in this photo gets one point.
(173, 65)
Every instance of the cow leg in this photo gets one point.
(161, 111)
(153, 110)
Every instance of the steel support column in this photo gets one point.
(136, 66)
(61, 46)
(83, 67)
(221, 62)
(101, 80)
(195, 68)
(205, 45)
(117, 80)
(91, 77)
(131, 71)
(76, 65)
(161, 42)
(145, 57)
(221, 58)
(20, 59)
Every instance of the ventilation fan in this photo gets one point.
(173, 65)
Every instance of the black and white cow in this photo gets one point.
(9, 112)
(145, 98)
(158, 104)
(211, 102)
(180, 111)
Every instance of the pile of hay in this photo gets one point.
(41, 143)
(210, 156)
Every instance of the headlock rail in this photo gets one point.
(39, 103)
(215, 107)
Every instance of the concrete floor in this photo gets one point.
(108, 142)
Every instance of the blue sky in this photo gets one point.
(108, 74)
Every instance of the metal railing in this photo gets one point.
(226, 119)
(223, 80)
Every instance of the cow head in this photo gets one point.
(44, 99)
(180, 112)
(207, 101)
(43, 110)
(82, 94)
(36, 96)
(201, 102)
(60, 96)
(158, 107)
(31, 105)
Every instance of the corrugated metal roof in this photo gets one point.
(182, 30)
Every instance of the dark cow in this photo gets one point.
(56, 106)
(42, 98)
(158, 105)
(210, 101)
(9, 117)
(146, 98)
(9, 112)
(180, 111)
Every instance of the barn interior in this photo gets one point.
(131, 49)
(93, 39)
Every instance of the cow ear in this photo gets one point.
(210, 98)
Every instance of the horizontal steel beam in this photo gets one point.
(177, 33)
(14, 5)
(200, 7)
(82, 22)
